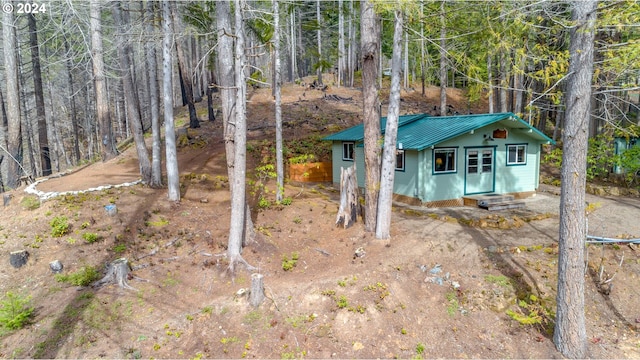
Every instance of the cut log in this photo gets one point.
(348, 210)
(18, 258)
(256, 295)
(117, 273)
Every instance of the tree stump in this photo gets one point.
(348, 210)
(256, 295)
(117, 273)
(18, 258)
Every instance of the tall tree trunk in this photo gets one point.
(185, 71)
(570, 335)
(383, 224)
(171, 154)
(319, 38)
(504, 80)
(238, 200)
(121, 116)
(292, 45)
(133, 110)
(370, 44)
(226, 78)
(302, 68)
(45, 159)
(14, 128)
(492, 95)
(518, 85)
(278, 103)
(29, 164)
(107, 144)
(405, 64)
(72, 105)
(352, 46)
(3, 142)
(341, 53)
(422, 64)
(154, 103)
(443, 61)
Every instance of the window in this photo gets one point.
(444, 160)
(517, 154)
(487, 161)
(347, 151)
(400, 160)
(472, 162)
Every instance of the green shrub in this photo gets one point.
(59, 226)
(600, 158)
(629, 161)
(342, 302)
(90, 237)
(15, 312)
(83, 277)
(264, 203)
(30, 202)
(289, 263)
(119, 248)
(302, 159)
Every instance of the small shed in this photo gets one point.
(441, 160)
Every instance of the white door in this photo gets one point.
(480, 171)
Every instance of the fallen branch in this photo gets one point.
(323, 252)
(153, 252)
(173, 258)
(142, 266)
(170, 243)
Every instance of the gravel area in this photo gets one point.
(612, 217)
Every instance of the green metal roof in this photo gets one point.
(418, 132)
(356, 133)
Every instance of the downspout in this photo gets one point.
(416, 192)
(538, 162)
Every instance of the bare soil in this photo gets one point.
(442, 287)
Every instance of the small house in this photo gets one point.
(441, 160)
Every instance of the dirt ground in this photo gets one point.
(451, 283)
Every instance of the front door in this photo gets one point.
(480, 170)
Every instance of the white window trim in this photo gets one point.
(353, 150)
(398, 152)
(455, 157)
(515, 147)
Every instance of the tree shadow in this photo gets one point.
(74, 313)
(604, 291)
(523, 282)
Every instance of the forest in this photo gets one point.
(80, 77)
(85, 80)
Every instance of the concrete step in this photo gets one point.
(504, 205)
(486, 200)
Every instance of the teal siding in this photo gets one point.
(508, 179)
(418, 179)
(405, 182)
(337, 162)
(435, 187)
